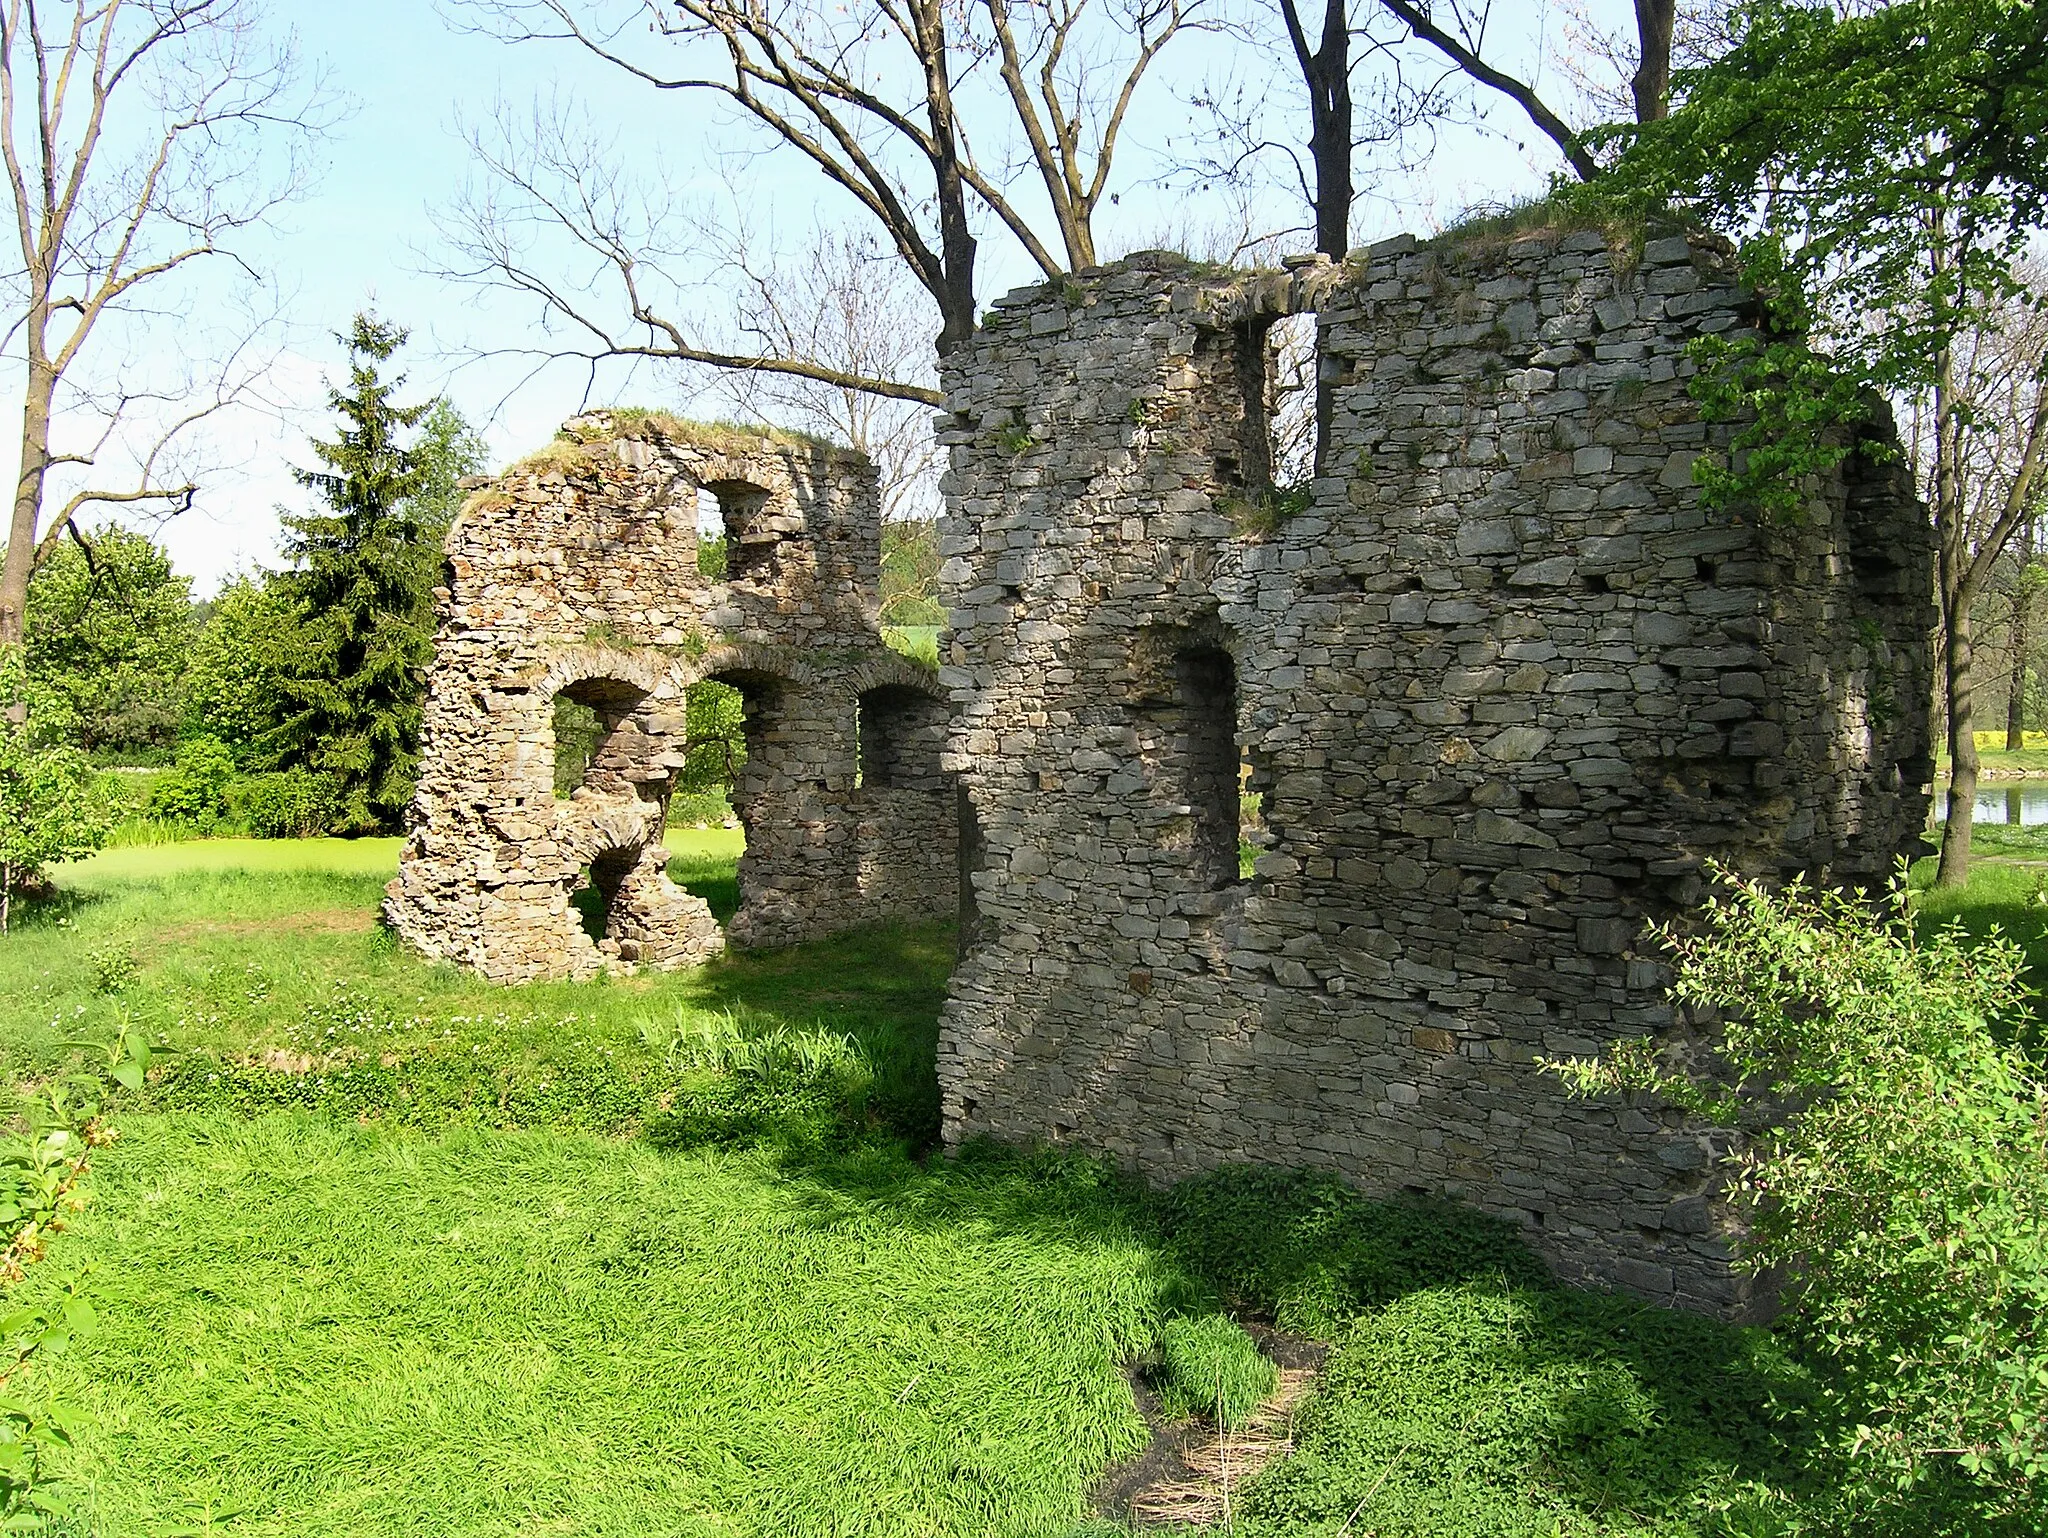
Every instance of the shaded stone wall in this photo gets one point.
(1504, 683)
(577, 574)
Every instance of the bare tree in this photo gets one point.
(877, 100)
(139, 139)
(1457, 30)
(1980, 439)
(848, 303)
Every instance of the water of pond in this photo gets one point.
(2022, 805)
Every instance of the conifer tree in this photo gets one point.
(356, 574)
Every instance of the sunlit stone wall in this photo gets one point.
(1504, 683)
(577, 573)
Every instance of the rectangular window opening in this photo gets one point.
(1212, 767)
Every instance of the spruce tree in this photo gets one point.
(359, 574)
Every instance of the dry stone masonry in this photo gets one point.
(577, 574)
(1503, 684)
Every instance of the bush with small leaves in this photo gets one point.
(1895, 1173)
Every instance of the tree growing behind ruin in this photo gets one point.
(140, 140)
(357, 575)
(934, 125)
(110, 628)
(53, 807)
(1884, 174)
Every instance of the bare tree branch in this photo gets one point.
(141, 155)
(1466, 56)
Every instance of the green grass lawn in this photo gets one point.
(389, 1250)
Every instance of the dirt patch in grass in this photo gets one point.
(1191, 1471)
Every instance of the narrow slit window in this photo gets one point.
(1205, 680)
(712, 549)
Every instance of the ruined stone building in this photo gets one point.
(1502, 682)
(1499, 679)
(577, 574)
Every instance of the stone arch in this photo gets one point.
(609, 830)
(649, 672)
(752, 662)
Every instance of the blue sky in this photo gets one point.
(365, 237)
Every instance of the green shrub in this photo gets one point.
(1896, 1175)
(1209, 1366)
(196, 791)
(688, 809)
(292, 803)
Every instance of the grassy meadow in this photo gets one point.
(388, 1250)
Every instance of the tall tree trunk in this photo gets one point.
(1958, 593)
(2016, 688)
(1326, 71)
(1651, 85)
(956, 239)
(1962, 754)
(28, 502)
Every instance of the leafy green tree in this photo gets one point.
(238, 665)
(447, 450)
(1884, 169)
(910, 573)
(52, 804)
(1896, 1174)
(357, 574)
(109, 627)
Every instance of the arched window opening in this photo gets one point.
(715, 754)
(593, 745)
(901, 732)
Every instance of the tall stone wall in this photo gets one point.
(577, 574)
(1504, 683)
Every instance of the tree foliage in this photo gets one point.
(1896, 1173)
(238, 665)
(357, 576)
(109, 626)
(1882, 171)
(52, 805)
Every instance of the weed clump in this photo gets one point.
(1209, 1366)
(1261, 514)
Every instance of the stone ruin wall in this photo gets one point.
(1504, 684)
(577, 573)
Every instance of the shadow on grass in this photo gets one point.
(881, 986)
(1514, 1402)
(51, 909)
